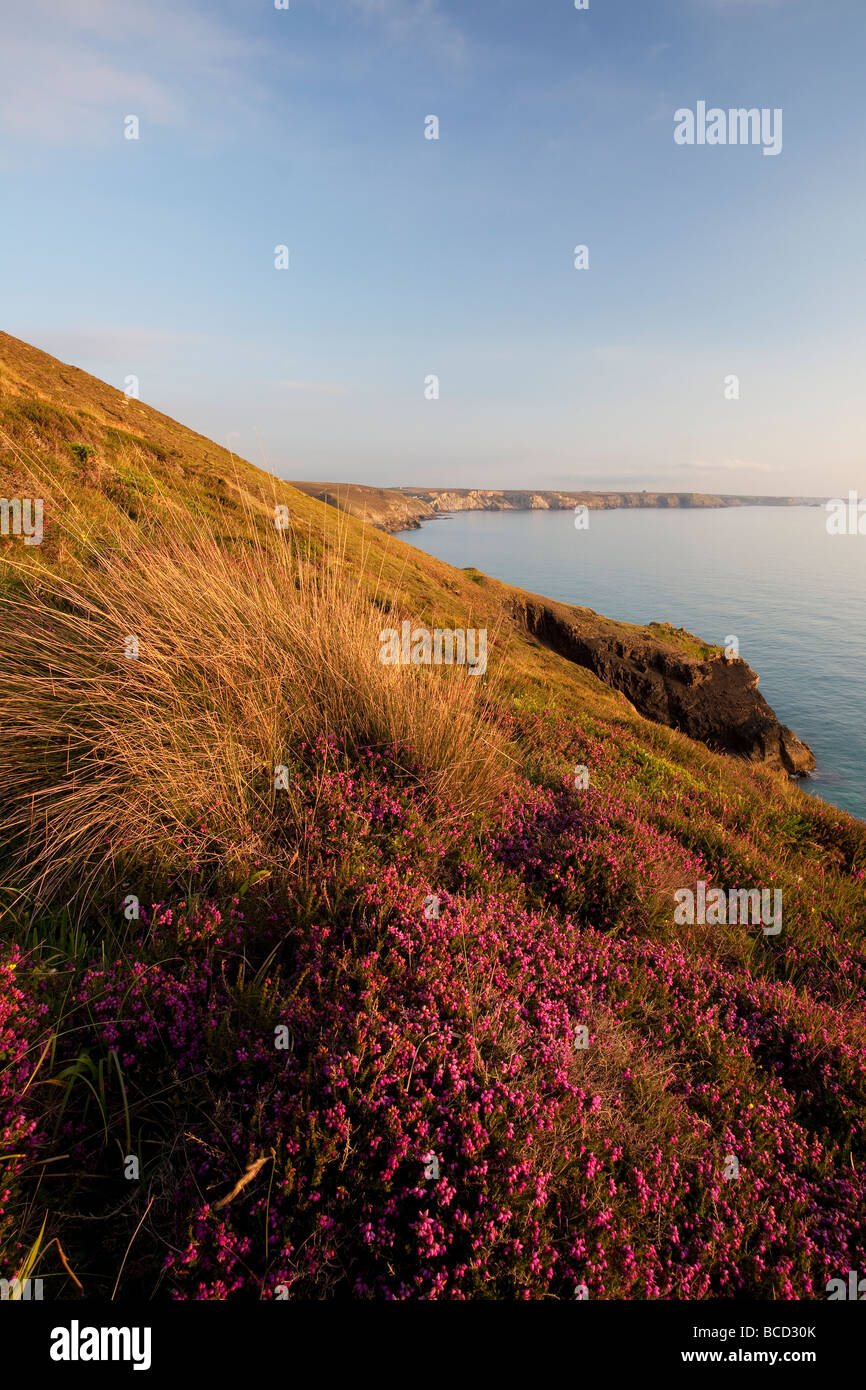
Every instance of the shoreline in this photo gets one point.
(405, 509)
(443, 515)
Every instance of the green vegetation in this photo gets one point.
(280, 925)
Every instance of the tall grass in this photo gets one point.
(246, 655)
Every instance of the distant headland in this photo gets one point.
(405, 508)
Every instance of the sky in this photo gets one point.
(411, 258)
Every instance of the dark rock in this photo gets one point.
(713, 700)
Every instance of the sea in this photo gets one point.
(792, 595)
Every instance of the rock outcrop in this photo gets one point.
(509, 500)
(405, 508)
(385, 508)
(711, 698)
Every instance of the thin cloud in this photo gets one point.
(613, 352)
(72, 73)
(126, 344)
(415, 21)
(741, 4)
(68, 92)
(315, 388)
(730, 466)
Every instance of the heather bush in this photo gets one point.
(419, 1023)
(305, 1170)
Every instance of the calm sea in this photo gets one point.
(771, 576)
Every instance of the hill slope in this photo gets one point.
(377, 980)
(102, 453)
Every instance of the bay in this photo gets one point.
(794, 597)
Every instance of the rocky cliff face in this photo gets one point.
(385, 508)
(505, 500)
(669, 676)
(714, 700)
(404, 509)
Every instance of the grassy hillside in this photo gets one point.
(326, 978)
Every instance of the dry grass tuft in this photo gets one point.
(245, 656)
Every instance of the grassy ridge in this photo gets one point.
(325, 1039)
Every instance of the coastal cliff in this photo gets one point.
(673, 679)
(429, 905)
(505, 500)
(387, 509)
(668, 675)
(406, 508)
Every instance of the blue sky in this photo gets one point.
(411, 257)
